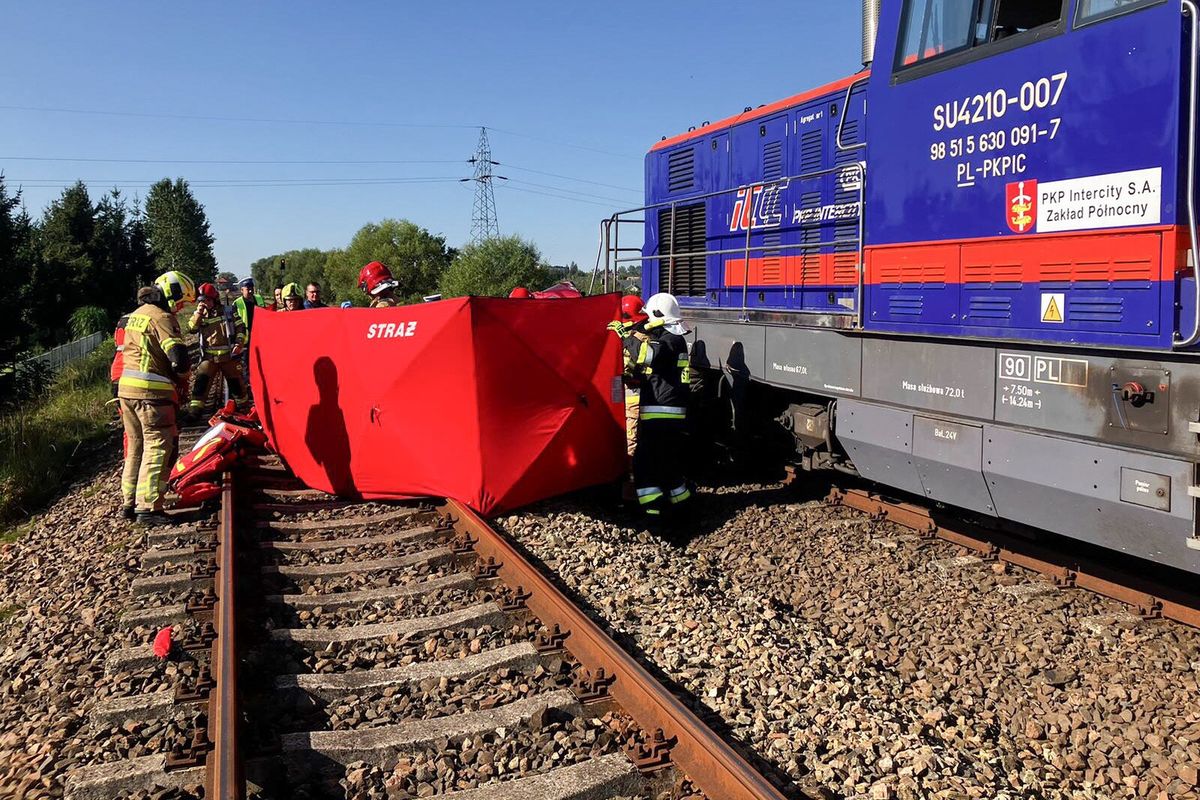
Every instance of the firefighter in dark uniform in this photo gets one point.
(660, 360)
(376, 280)
(153, 379)
(222, 339)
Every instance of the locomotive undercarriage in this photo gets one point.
(1091, 444)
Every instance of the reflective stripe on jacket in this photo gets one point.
(151, 334)
(662, 362)
(216, 341)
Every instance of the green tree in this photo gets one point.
(416, 257)
(120, 258)
(60, 283)
(177, 228)
(141, 258)
(16, 266)
(294, 266)
(495, 267)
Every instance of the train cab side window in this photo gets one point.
(1096, 10)
(1017, 16)
(934, 28)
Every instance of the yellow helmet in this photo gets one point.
(177, 288)
(292, 290)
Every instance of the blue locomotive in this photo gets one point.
(966, 272)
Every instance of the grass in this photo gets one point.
(39, 440)
(10, 535)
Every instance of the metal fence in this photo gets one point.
(66, 353)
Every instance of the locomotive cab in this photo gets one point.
(967, 272)
(1032, 182)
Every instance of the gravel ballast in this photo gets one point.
(861, 662)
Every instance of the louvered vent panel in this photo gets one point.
(811, 151)
(772, 161)
(845, 258)
(690, 278)
(681, 170)
(810, 233)
(772, 273)
(845, 269)
(989, 273)
(905, 305)
(990, 307)
(1110, 309)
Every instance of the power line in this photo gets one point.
(569, 178)
(213, 118)
(229, 161)
(556, 196)
(305, 162)
(285, 121)
(568, 191)
(205, 181)
(238, 184)
(561, 143)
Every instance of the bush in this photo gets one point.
(494, 267)
(38, 441)
(87, 320)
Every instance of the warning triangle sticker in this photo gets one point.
(1051, 312)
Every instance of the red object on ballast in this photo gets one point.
(493, 403)
(162, 643)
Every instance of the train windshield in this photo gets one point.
(935, 27)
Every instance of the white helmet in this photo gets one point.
(665, 307)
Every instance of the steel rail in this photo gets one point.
(224, 768)
(711, 764)
(1151, 600)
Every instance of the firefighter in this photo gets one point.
(118, 364)
(222, 340)
(632, 323)
(293, 298)
(660, 361)
(376, 280)
(520, 293)
(153, 380)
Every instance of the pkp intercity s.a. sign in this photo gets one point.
(1114, 200)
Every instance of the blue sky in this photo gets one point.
(578, 90)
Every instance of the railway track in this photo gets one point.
(326, 648)
(1066, 568)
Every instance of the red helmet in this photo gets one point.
(631, 309)
(375, 278)
(209, 291)
(520, 292)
